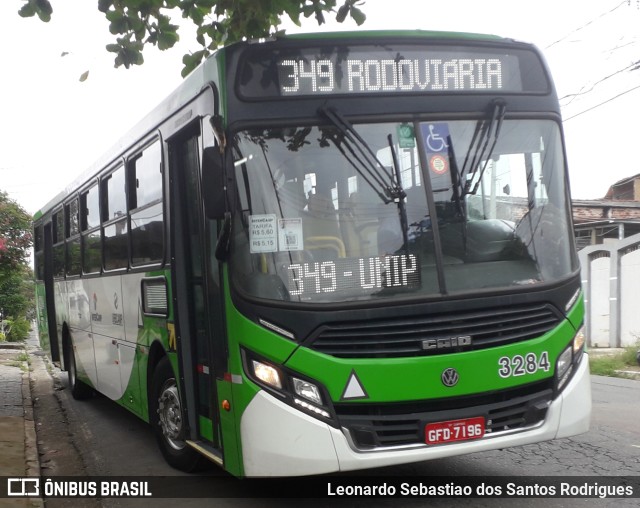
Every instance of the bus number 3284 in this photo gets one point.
(519, 365)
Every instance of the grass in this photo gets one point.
(611, 365)
(23, 357)
(21, 360)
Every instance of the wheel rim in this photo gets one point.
(170, 414)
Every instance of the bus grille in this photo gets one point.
(379, 425)
(406, 336)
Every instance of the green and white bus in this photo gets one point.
(329, 252)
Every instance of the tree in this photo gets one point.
(16, 277)
(136, 23)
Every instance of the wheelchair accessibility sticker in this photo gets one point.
(436, 140)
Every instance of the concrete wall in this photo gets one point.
(611, 282)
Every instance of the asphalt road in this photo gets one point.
(97, 437)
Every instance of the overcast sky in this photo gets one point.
(52, 126)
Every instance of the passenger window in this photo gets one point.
(114, 195)
(114, 209)
(58, 244)
(146, 177)
(72, 219)
(39, 252)
(89, 221)
(145, 204)
(73, 264)
(90, 217)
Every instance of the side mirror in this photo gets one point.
(213, 184)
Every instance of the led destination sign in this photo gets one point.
(390, 69)
(359, 275)
(298, 76)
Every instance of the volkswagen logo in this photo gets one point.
(450, 377)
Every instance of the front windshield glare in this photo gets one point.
(314, 220)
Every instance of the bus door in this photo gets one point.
(50, 307)
(196, 286)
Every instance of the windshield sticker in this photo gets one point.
(406, 136)
(290, 234)
(439, 164)
(437, 139)
(262, 233)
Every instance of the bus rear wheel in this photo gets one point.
(167, 418)
(79, 390)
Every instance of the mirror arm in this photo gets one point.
(222, 244)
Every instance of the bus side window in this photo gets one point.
(38, 257)
(90, 226)
(114, 209)
(58, 244)
(72, 234)
(145, 205)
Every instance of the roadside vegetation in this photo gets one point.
(616, 365)
(16, 277)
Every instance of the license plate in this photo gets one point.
(454, 430)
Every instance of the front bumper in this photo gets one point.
(278, 440)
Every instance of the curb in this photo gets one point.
(32, 457)
(30, 438)
(12, 345)
(629, 374)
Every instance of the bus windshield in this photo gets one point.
(315, 220)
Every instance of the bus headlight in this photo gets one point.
(307, 390)
(578, 341)
(570, 358)
(563, 366)
(267, 374)
(304, 394)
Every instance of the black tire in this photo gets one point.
(79, 390)
(167, 419)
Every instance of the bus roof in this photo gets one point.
(210, 69)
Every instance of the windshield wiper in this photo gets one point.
(402, 207)
(484, 133)
(367, 164)
(363, 159)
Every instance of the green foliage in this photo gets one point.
(42, 8)
(605, 365)
(15, 232)
(18, 329)
(16, 277)
(612, 365)
(136, 23)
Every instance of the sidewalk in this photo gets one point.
(18, 445)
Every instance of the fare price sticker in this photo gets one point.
(263, 234)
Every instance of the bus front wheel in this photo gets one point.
(167, 418)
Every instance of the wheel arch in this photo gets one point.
(156, 353)
(67, 344)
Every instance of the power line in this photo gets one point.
(589, 23)
(582, 91)
(603, 103)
